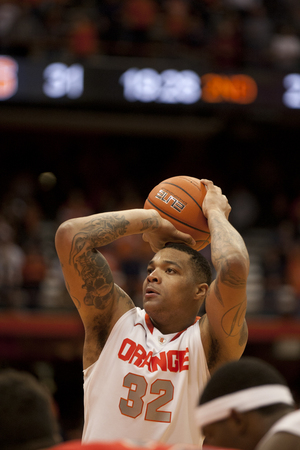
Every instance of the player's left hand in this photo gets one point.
(214, 199)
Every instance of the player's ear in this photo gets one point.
(240, 421)
(201, 290)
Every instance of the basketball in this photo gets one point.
(179, 200)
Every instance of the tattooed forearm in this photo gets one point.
(97, 278)
(90, 265)
(149, 224)
(226, 241)
(96, 233)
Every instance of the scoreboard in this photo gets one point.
(149, 85)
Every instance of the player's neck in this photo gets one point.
(171, 328)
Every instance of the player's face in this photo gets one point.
(170, 289)
(219, 434)
(241, 431)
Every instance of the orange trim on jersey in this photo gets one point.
(139, 324)
(149, 323)
(151, 326)
(180, 332)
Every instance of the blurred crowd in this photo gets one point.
(224, 34)
(31, 277)
(30, 273)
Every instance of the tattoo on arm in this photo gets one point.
(97, 278)
(237, 315)
(149, 224)
(97, 232)
(225, 240)
(75, 300)
(91, 266)
(122, 295)
(230, 278)
(218, 293)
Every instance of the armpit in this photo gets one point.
(213, 356)
(211, 344)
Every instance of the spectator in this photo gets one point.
(11, 263)
(34, 272)
(285, 48)
(27, 418)
(257, 34)
(83, 36)
(9, 14)
(110, 24)
(247, 404)
(225, 45)
(138, 18)
(177, 19)
(75, 205)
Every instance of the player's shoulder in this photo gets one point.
(281, 440)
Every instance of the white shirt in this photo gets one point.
(145, 385)
(290, 423)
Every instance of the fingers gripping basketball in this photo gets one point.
(179, 200)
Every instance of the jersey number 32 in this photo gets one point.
(134, 404)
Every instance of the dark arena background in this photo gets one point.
(102, 100)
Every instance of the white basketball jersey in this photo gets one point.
(145, 385)
(289, 423)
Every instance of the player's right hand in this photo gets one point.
(166, 232)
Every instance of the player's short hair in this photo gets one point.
(201, 267)
(239, 375)
(27, 419)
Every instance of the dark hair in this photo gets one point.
(27, 420)
(239, 375)
(201, 267)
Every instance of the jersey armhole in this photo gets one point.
(88, 370)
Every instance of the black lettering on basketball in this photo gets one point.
(176, 204)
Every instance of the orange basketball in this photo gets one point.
(179, 200)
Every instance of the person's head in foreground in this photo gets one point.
(27, 420)
(242, 404)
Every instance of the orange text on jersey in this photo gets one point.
(173, 360)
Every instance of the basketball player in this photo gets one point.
(144, 369)
(27, 419)
(247, 404)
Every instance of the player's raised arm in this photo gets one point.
(87, 274)
(224, 330)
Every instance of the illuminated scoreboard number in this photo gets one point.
(239, 88)
(173, 86)
(61, 80)
(23, 81)
(8, 77)
(291, 98)
(170, 87)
